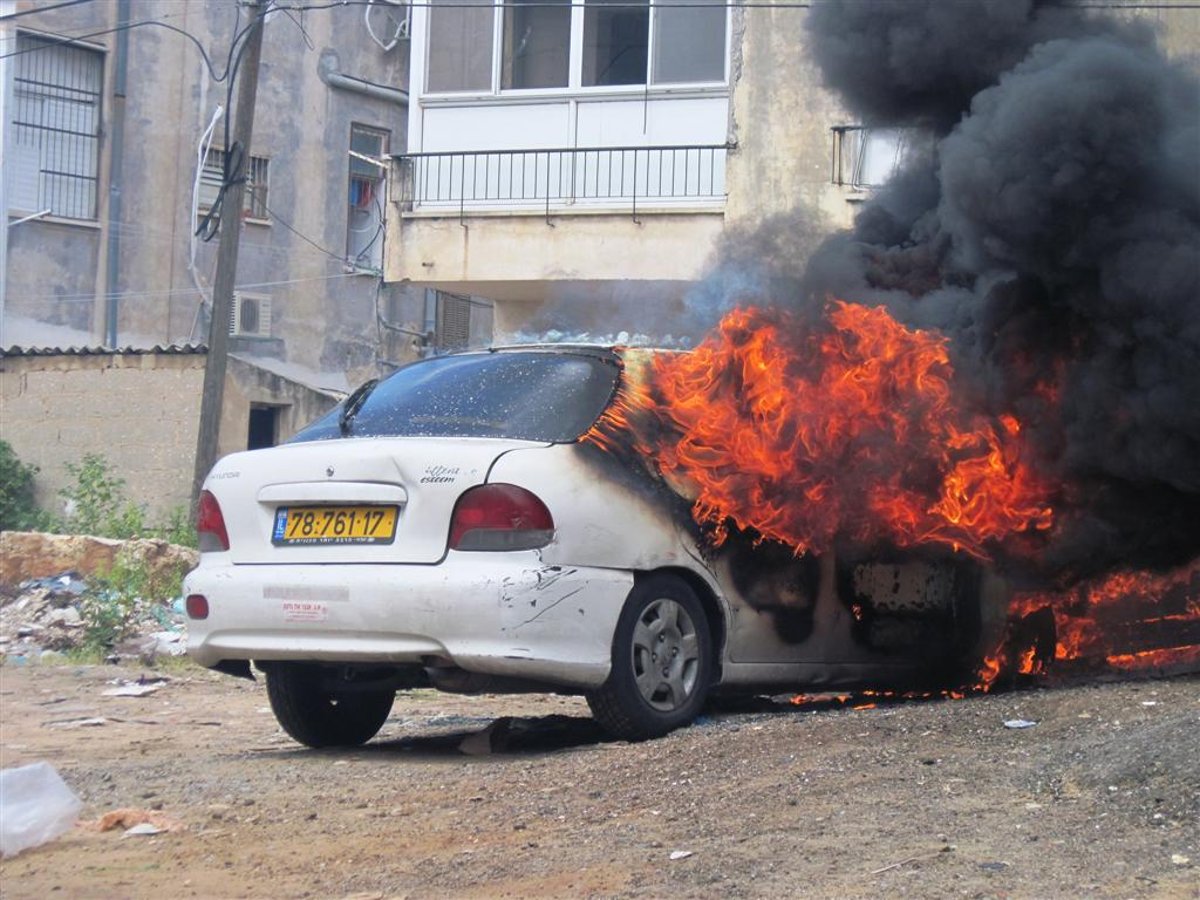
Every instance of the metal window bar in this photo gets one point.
(254, 203)
(553, 180)
(56, 119)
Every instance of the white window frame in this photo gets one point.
(575, 65)
(861, 154)
(376, 247)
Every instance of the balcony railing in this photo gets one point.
(563, 180)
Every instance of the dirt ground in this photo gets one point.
(1101, 797)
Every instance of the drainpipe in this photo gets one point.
(327, 69)
(115, 168)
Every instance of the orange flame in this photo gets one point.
(1132, 621)
(852, 432)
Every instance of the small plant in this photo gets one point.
(18, 511)
(178, 528)
(96, 502)
(118, 599)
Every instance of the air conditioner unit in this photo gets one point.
(250, 315)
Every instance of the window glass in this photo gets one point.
(615, 41)
(689, 41)
(364, 216)
(460, 45)
(524, 395)
(537, 44)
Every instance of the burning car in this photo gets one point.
(494, 521)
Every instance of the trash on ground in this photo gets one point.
(134, 689)
(134, 817)
(36, 806)
(681, 854)
(1019, 723)
(88, 722)
(146, 828)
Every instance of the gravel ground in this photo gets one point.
(1101, 797)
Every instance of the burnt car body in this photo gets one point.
(454, 525)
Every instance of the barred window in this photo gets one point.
(254, 202)
(56, 127)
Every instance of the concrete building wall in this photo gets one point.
(781, 119)
(323, 311)
(140, 411)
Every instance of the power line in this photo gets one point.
(282, 221)
(41, 9)
(144, 23)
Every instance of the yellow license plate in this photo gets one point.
(334, 525)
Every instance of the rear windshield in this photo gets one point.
(524, 395)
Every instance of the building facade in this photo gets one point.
(115, 122)
(582, 161)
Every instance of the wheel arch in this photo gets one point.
(713, 612)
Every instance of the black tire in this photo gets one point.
(662, 662)
(317, 715)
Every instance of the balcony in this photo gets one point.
(563, 181)
(524, 225)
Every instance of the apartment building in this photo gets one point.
(581, 161)
(115, 120)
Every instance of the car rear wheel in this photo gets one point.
(662, 662)
(315, 713)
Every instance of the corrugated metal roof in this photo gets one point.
(164, 349)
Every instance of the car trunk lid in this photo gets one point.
(343, 498)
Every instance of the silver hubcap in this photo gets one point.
(666, 655)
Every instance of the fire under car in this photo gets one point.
(453, 525)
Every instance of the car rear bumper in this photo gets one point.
(499, 614)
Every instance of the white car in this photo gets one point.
(451, 525)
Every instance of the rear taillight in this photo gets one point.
(500, 517)
(196, 606)
(210, 524)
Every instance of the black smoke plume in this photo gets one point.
(1053, 233)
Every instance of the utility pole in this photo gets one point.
(227, 253)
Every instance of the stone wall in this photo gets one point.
(138, 410)
(29, 554)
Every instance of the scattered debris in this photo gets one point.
(681, 854)
(1179, 859)
(139, 688)
(144, 829)
(86, 722)
(130, 818)
(36, 806)
(492, 738)
(1019, 723)
(945, 848)
(48, 617)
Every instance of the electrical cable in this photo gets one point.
(42, 9)
(282, 221)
